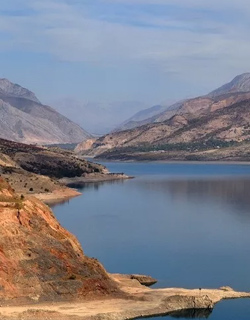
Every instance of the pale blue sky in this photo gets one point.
(107, 50)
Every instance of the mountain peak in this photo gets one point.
(25, 119)
(15, 90)
(240, 83)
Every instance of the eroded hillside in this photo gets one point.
(202, 127)
(39, 259)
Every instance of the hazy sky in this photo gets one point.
(115, 50)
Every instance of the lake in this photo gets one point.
(186, 224)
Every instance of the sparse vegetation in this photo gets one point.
(192, 146)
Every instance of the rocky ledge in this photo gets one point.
(140, 302)
(138, 278)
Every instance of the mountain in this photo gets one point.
(200, 124)
(239, 84)
(25, 119)
(140, 118)
(15, 90)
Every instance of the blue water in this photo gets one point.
(187, 225)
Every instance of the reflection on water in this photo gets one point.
(192, 314)
(226, 310)
(184, 314)
(93, 185)
(232, 192)
(187, 226)
(53, 204)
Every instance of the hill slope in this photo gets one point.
(240, 84)
(23, 118)
(206, 124)
(40, 260)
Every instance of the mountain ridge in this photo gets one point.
(23, 118)
(14, 89)
(239, 84)
(197, 124)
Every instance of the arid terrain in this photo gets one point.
(159, 113)
(212, 127)
(45, 171)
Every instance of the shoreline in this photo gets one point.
(141, 302)
(57, 196)
(67, 192)
(226, 162)
(95, 178)
(132, 300)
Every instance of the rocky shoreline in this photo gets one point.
(139, 302)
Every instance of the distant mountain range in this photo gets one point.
(23, 118)
(207, 124)
(159, 113)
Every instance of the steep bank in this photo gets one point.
(40, 260)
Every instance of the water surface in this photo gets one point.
(185, 224)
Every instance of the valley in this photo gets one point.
(66, 283)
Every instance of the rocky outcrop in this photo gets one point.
(144, 280)
(139, 302)
(85, 145)
(39, 259)
(25, 119)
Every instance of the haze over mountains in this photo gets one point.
(24, 118)
(98, 118)
(208, 122)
